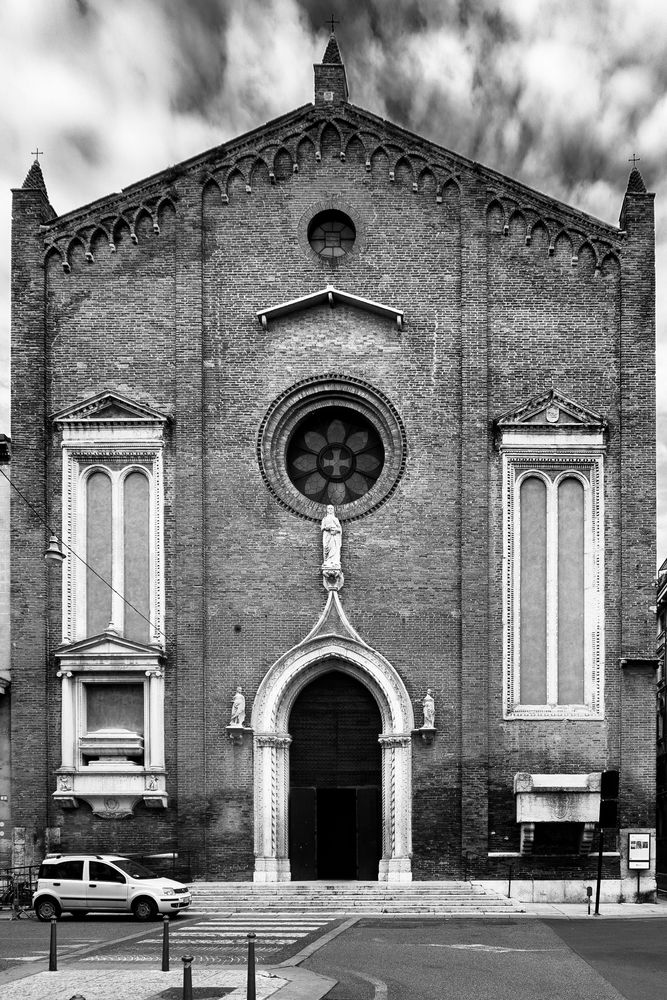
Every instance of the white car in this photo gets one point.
(104, 883)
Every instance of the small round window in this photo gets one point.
(334, 456)
(331, 234)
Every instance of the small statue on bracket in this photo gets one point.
(332, 537)
(238, 708)
(428, 705)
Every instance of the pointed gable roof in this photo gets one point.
(284, 134)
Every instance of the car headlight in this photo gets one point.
(168, 892)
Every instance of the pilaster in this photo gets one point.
(187, 544)
(29, 582)
(475, 454)
(637, 558)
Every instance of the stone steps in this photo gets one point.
(335, 898)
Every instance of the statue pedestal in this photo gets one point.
(332, 578)
(426, 734)
(237, 734)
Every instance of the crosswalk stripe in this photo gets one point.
(212, 938)
(259, 920)
(239, 940)
(320, 918)
(193, 936)
(254, 923)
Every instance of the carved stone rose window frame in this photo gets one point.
(289, 411)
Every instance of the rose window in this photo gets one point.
(335, 456)
(331, 234)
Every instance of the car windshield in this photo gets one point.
(133, 868)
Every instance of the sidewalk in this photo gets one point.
(282, 982)
(575, 911)
(151, 984)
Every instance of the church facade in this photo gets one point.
(348, 443)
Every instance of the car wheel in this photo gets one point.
(47, 908)
(144, 908)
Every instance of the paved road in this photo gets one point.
(27, 940)
(222, 939)
(215, 939)
(497, 959)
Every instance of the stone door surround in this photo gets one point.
(316, 655)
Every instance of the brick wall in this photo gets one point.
(489, 322)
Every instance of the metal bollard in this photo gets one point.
(165, 943)
(187, 961)
(250, 992)
(53, 948)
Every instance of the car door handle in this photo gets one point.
(92, 885)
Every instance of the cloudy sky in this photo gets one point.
(556, 94)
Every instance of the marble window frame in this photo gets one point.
(553, 465)
(117, 451)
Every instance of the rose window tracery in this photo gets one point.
(335, 456)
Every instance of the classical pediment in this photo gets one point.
(329, 296)
(551, 418)
(551, 408)
(109, 408)
(108, 649)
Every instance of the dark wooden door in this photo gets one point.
(335, 780)
(303, 833)
(336, 833)
(368, 832)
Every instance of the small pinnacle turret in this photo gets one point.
(330, 78)
(34, 179)
(332, 52)
(636, 182)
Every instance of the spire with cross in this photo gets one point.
(330, 78)
(635, 180)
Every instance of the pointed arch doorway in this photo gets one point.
(332, 641)
(335, 823)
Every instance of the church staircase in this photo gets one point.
(351, 898)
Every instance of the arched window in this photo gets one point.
(118, 551)
(553, 452)
(98, 552)
(551, 603)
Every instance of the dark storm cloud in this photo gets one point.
(558, 95)
(85, 143)
(199, 32)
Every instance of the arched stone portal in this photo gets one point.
(333, 638)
